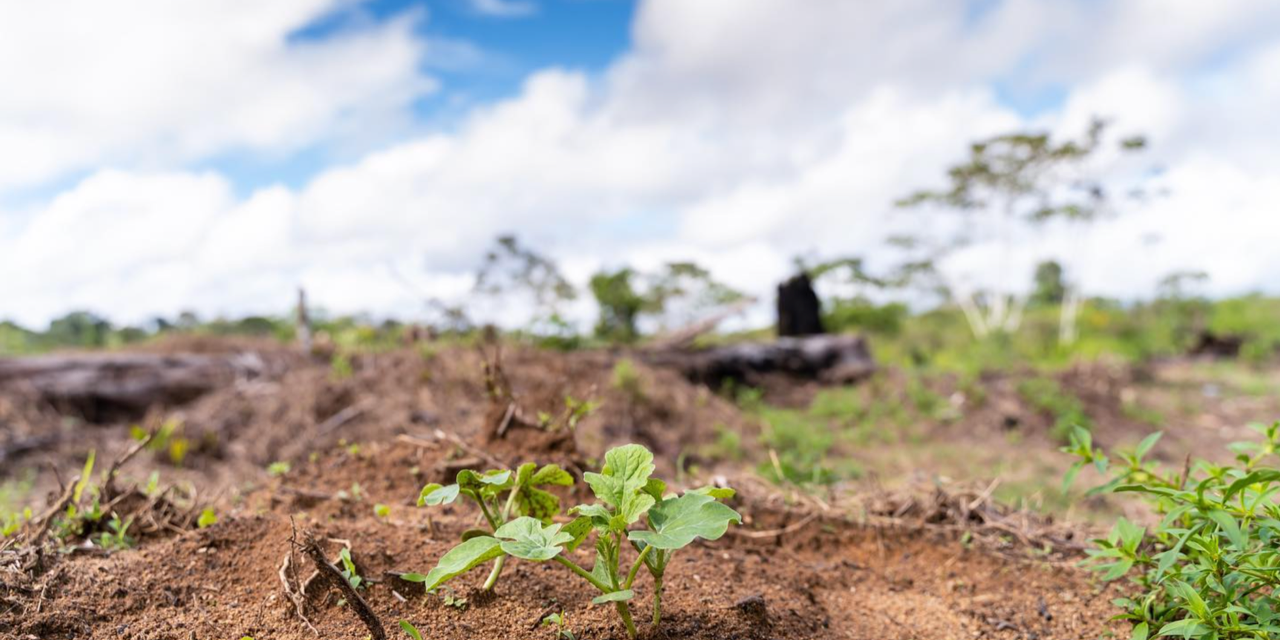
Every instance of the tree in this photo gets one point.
(1019, 178)
(1049, 288)
(620, 305)
(672, 296)
(79, 329)
(511, 268)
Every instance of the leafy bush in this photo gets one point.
(627, 495)
(1210, 568)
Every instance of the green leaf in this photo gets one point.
(551, 475)
(463, 558)
(1249, 480)
(678, 521)
(1186, 628)
(719, 493)
(1230, 527)
(84, 477)
(410, 629)
(579, 528)
(537, 503)
(434, 494)
(1147, 443)
(1139, 632)
(656, 488)
(626, 471)
(207, 519)
(615, 596)
(527, 538)
(413, 577)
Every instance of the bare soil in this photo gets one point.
(827, 566)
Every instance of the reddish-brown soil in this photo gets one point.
(798, 568)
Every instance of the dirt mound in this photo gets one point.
(814, 578)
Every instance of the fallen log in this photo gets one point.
(829, 358)
(102, 387)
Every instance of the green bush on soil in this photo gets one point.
(627, 495)
(1211, 567)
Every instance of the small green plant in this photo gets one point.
(349, 568)
(525, 496)
(208, 518)
(382, 511)
(627, 495)
(117, 536)
(167, 441)
(557, 622)
(278, 468)
(1210, 568)
(410, 630)
(451, 599)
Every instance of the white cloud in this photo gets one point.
(735, 134)
(155, 83)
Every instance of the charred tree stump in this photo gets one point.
(830, 358)
(799, 312)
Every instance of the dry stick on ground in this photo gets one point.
(774, 533)
(108, 486)
(296, 597)
(334, 577)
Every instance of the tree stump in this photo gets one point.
(799, 312)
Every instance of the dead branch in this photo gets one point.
(334, 577)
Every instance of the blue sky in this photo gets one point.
(370, 150)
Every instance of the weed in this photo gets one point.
(627, 495)
(1208, 568)
(382, 511)
(117, 537)
(278, 468)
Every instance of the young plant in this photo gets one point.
(1210, 568)
(628, 496)
(349, 568)
(501, 495)
(557, 622)
(117, 537)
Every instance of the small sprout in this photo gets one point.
(451, 600)
(410, 630)
(153, 485)
(278, 468)
(117, 538)
(557, 621)
(382, 511)
(208, 518)
(349, 568)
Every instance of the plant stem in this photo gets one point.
(657, 600)
(625, 613)
(631, 576)
(511, 500)
(604, 588)
(493, 575)
(493, 522)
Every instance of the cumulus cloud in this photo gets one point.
(736, 134)
(156, 83)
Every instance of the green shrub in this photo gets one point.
(1210, 568)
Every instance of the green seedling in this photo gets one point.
(410, 630)
(208, 518)
(349, 568)
(557, 622)
(382, 511)
(1208, 568)
(117, 537)
(628, 496)
(525, 496)
(278, 468)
